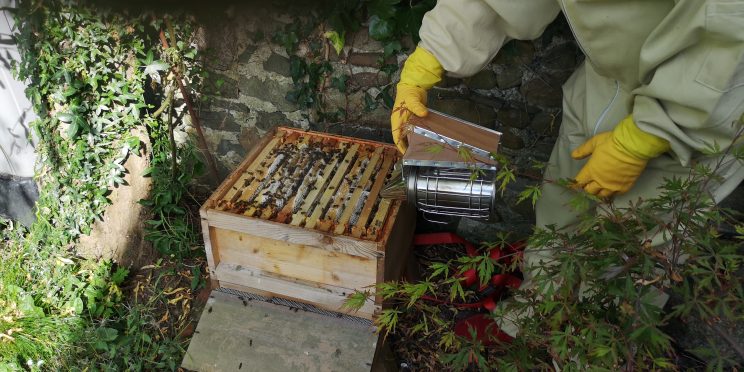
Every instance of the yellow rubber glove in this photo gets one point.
(617, 158)
(420, 72)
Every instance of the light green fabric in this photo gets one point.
(681, 61)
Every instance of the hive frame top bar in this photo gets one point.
(330, 219)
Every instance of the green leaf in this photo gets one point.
(379, 28)
(73, 129)
(434, 148)
(106, 334)
(356, 300)
(65, 117)
(337, 40)
(339, 83)
(156, 66)
(369, 103)
(531, 193)
(392, 47)
(297, 68)
(77, 305)
(464, 153)
(119, 275)
(506, 176)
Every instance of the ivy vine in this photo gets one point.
(387, 21)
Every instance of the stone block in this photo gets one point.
(449, 82)
(546, 123)
(226, 146)
(269, 120)
(485, 79)
(267, 90)
(512, 141)
(120, 235)
(363, 42)
(368, 79)
(509, 77)
(278, 64)
(219, 120)
(539, 93)
(248, 138)
(516, 52)
(466, 110)
(496, 103)
(222, 86)
(541, 151)
(561, 57)
(513, 117)
(232, 107)
(368, 59)
(245, 57)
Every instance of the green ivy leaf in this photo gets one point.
(73, 129)
(369, 103)
(379, 28)
(392, 47)
(337, 40)
(156, 66)
(340, 83)
(382, 8)
(65, 117)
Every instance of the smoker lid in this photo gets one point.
(435, 140)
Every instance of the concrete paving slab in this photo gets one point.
(236, 334)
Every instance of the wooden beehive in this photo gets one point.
(301, 218)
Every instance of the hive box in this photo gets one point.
(301, 218)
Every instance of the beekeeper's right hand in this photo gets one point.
(420, 72)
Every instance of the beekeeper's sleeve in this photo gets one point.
(465, 35)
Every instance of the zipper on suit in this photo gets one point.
(607, 108)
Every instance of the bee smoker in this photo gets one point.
(448, 169)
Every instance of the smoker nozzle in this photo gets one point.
(395, 187)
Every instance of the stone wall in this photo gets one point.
(519, 93)
(250, 79)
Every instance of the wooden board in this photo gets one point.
(296, 261)
(291, 234)
(270, 285)
(259, 336)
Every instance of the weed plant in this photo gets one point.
(595, 304)
(88, 69)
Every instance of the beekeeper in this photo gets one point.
(663, 80)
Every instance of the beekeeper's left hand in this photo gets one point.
(616, 159)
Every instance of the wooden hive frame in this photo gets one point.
(310, 252)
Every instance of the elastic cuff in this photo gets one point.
(421, 69)
(638, 143)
